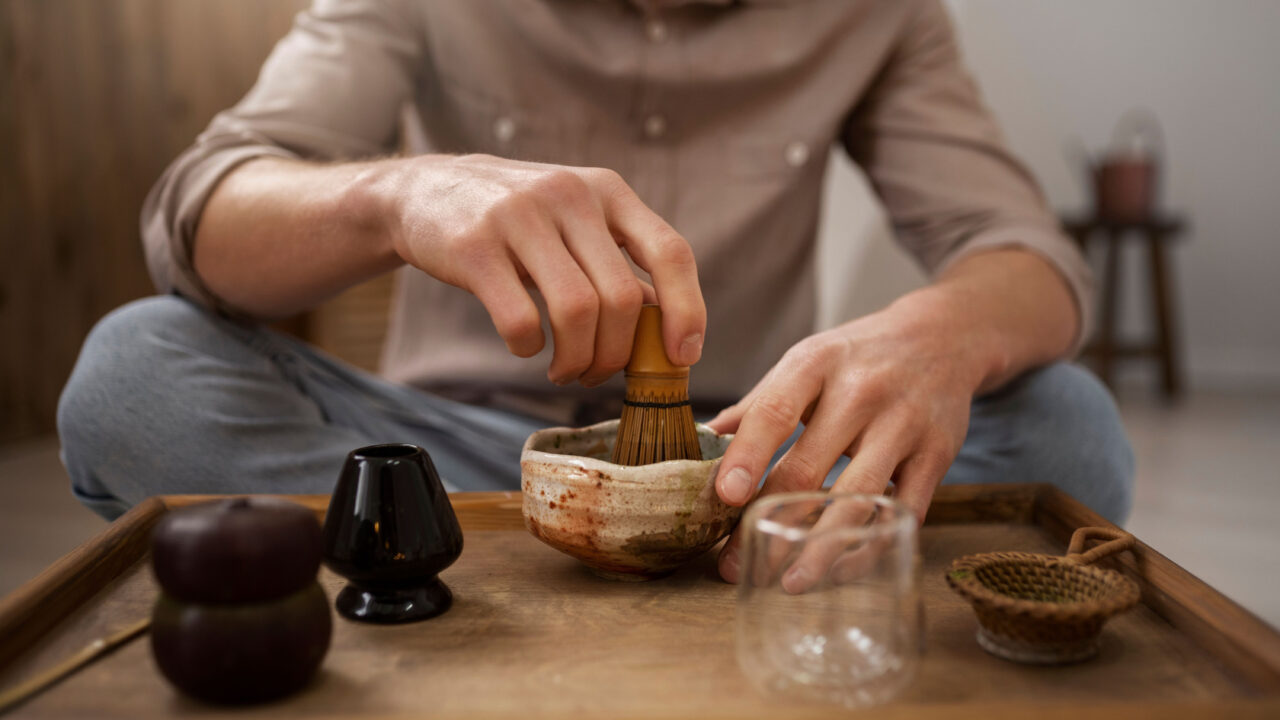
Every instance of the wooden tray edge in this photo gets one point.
(985, 503)
(37, 606)
(1239, 639)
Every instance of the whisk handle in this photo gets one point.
(1117, 541)
(648, 355)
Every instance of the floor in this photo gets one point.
(1208, 490)
(1207, 495)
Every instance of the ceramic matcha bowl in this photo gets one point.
(624, 522)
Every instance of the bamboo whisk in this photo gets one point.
(657, 421)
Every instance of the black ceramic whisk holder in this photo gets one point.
(389, 531)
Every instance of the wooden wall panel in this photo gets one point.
(96, 96)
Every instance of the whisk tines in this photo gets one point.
(657, 420)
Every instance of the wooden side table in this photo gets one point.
(1106, 349)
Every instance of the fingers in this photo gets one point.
(592, 294)
(619, 292)
(886, 450)
(728, 419)
(859, 559)
(573, 307)
(514, 314)
(667, 257)
(804, 467)
(766, 423)
(877, 454)
(493, 222)
(915, 478)
(827, 545)
(830, 432)
(919, 476)
(650, 295)
(730, 561)
(563, 228)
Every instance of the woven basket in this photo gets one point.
(1044, 609)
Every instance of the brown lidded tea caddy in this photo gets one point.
(1044, 609)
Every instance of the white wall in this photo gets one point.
(1059, 72)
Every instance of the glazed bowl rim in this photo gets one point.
(627, 474)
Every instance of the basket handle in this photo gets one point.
(1117, 541)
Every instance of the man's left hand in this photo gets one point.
(891, 390)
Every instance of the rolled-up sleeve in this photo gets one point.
(332, 89)
(936, 158)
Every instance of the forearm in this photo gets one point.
(279, 236)
(1010, 311)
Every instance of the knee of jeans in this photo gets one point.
(1079, 442)
(119, 352)
(165, 315)
(118, 360)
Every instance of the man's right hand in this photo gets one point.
(493, 226)
(279, 236)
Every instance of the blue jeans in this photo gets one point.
(167, 398)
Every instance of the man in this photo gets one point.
(565, 140)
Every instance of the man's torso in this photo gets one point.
(720, 117)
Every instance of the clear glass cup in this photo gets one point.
(829, 605)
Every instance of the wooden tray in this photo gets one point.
(532, 633)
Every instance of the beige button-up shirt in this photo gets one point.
(719, 114)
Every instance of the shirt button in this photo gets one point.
(655, 126)
(504, 128)
(656, 30)
(797, 154)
